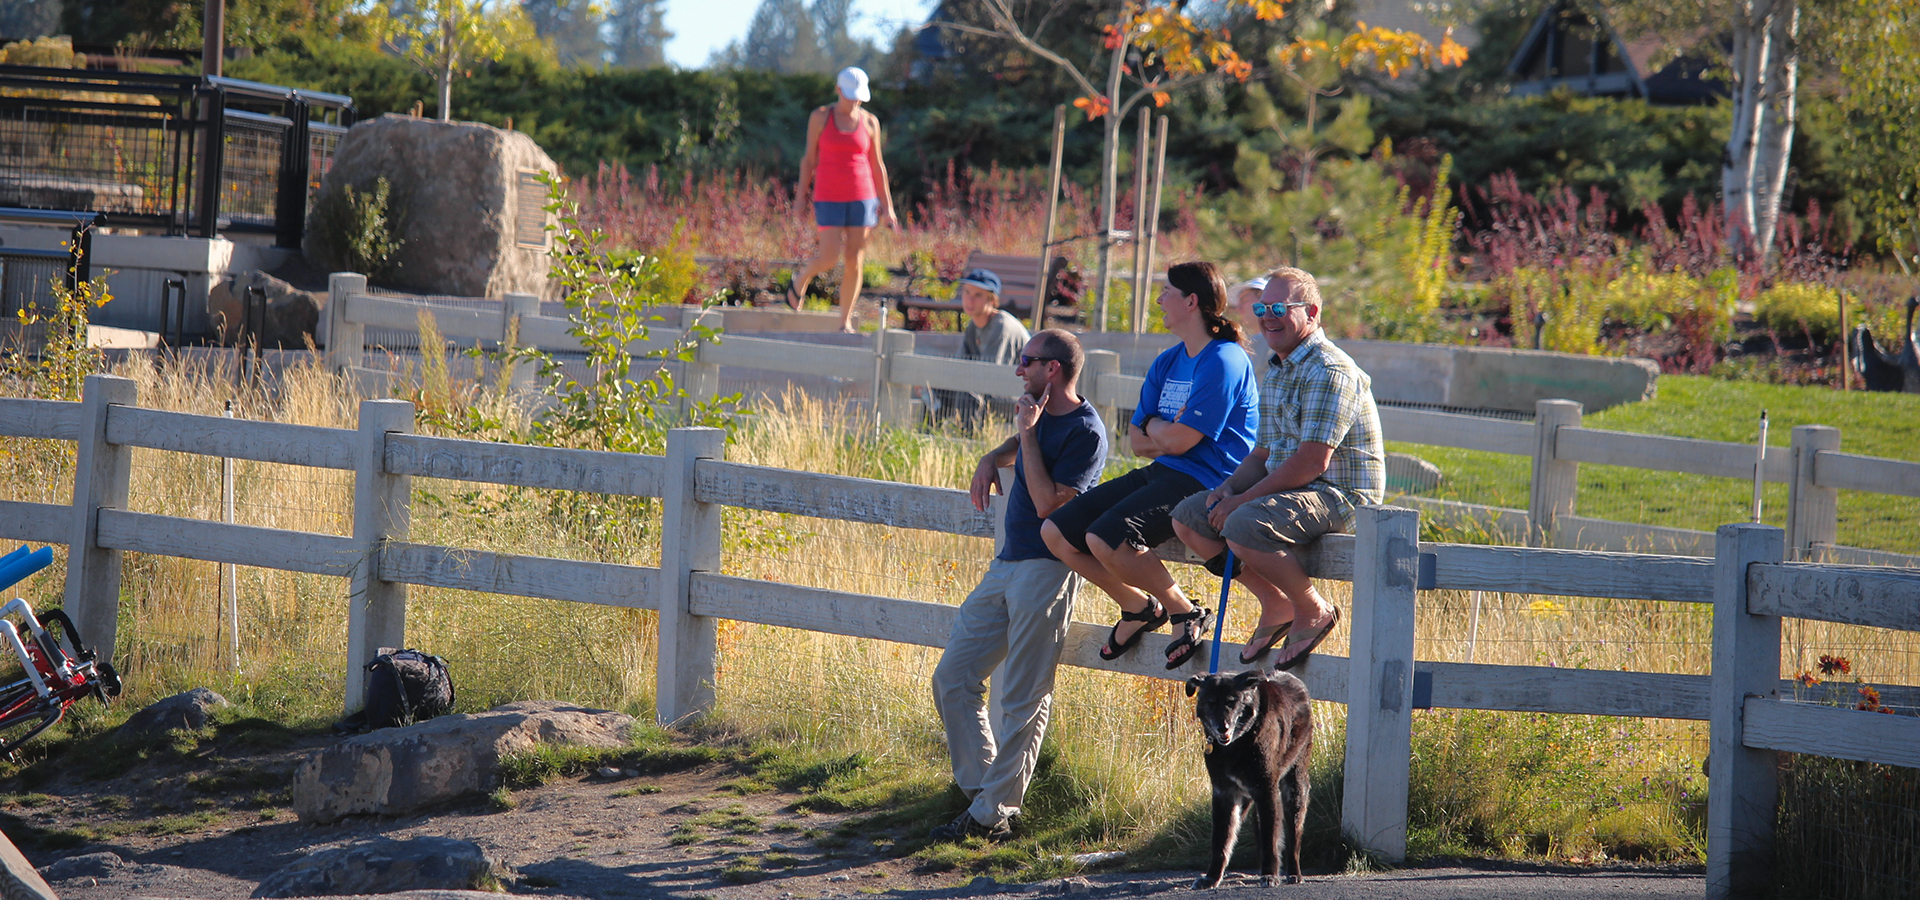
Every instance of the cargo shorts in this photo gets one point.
(1271, 523)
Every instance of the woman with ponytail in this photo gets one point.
(1195, 420)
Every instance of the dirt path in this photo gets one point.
(208, 827)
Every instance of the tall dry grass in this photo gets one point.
(1122, 746)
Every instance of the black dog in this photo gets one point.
(1259, 727)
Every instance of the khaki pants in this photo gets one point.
(1018, 614)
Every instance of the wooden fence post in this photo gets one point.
(1555, 483)
(1386, 572)
(519, 306)
(892, 402)
(100, 479)
(689, 543)
(1742, 785)
(1813, 512)
(345, 340)
(1102, 362)
(701, 380)
(376, 609)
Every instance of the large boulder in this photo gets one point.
(185, 711)
(1409, 474)
(290, 314)
(464, 203)
(385, 866)
(395, 771)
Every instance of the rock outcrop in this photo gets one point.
(1409, 474)
(289, 317)
(187, 711)
(384, 866)
(395, 771)
(464, 201)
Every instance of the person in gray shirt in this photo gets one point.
(992, 335)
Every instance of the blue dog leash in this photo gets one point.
(1220, 622)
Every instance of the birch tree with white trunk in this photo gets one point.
(1757, 48)
(1764, 75)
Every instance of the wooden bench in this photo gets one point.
(1019, 276)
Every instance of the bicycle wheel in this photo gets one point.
(24, 715)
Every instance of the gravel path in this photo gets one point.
(681, 836)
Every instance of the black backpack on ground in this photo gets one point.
(405, 687)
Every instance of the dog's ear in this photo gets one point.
(1193, 684)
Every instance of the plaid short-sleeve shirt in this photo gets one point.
(1317, 393)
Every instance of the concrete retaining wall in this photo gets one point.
(1443, 375)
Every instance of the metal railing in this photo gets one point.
(141, 149)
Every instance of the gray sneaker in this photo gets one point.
(965, 826)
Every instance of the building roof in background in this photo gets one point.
(1565, 49)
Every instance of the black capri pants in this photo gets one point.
(1135, 508)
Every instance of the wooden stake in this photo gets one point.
(1041, 286)
(1846, 365)
(1141, 146)
(1153, 206)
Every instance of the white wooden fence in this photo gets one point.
(1748, 583)
(1813, 466)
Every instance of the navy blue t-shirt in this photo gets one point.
(1074, 447)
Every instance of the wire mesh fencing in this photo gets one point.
(322, 140)
(254, 148)
(131, 160)
(1847, 830)
(1541, 784)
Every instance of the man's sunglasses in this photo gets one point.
(1260, 310)
(1030, 360)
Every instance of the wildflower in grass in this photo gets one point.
(1546, 607)
(1830, 664)
(1869, 699)
(1806, 679)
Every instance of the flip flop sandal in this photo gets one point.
(794, 298)
(1184, 646)
(1266, 637)
(1306, 639)
(1154, 615)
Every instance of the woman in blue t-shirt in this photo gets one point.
(1196, 420)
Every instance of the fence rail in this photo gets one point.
(1812, 466)
(1748, 583)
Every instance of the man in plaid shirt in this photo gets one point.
(1319, 456)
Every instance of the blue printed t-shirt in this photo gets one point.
(1074, 447)
(1214, 393)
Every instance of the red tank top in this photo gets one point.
(843, 173)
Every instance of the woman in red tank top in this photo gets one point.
(848, 184)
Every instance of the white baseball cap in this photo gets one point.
(1251, 284)
(853, 84)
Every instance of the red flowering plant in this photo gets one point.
(1865, 697)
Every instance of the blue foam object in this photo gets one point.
(15, 566)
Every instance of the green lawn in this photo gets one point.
(1696, 407)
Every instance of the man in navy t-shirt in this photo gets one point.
(1020, 611)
